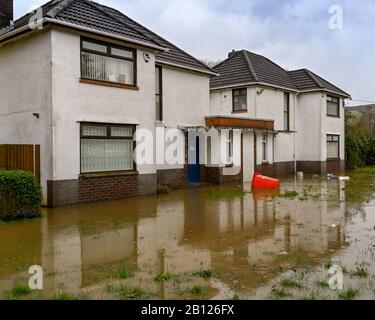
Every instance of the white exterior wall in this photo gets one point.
(262, 104)
(313, 125)
(75, 102)
(186, 101)
(25, 88)
(309, 127)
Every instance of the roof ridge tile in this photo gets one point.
(251, 68)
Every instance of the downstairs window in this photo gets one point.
(106, 148)
(333, 146)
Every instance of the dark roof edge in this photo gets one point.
(253, 83)
(97, 7)
(152, 32)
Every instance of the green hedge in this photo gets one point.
(20, 195)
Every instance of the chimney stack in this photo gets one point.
(6, 13)
(230, 54)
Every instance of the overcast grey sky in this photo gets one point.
(293, 33)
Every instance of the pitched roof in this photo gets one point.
(244, 67)
(97, 17)
(305, 79)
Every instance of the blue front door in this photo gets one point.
(194, 171)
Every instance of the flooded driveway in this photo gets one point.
(204, 242)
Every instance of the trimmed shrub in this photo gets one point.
(20, 196)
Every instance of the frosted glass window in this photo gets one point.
(333, 147)
(122, 132)
(94, 131)
(103, 62)
(94, 46)
(122, 53)
(112, 151)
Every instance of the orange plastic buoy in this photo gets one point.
(262, 182)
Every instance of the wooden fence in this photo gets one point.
(20, 157)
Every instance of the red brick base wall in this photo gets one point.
(322, 167)
(95, 189)
(215, 175)
(278, 169)
(171, 179)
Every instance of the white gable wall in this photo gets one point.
(25, 88)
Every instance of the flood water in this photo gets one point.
(200, 243)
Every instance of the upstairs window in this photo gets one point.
(286, 111)
(106, 148)
(333, 146)
(333, 106)
(239, 100)
(105, 62)
(159, 93)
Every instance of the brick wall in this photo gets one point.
(6, 12)
(171, 179)
(100, 188)
(278, 169)
(215, 175)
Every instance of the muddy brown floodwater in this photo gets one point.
(202, 242)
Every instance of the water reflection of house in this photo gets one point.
(254, 230)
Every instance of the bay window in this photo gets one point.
(106, 148)
(107, 63)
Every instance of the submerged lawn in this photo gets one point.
(210, 242)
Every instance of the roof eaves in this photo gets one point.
(105, 34)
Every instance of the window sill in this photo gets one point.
(333, 159)
(332, 116)
(108, 174)
(239, 111)
(108, 84)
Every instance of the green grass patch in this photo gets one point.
(125, 273)
(205, 273)
(287, 194)
(20, 290)
(348, 294)
(290, 283)
(196, 290)
(323, 284)
(166, 276)
(360, 272)
(280, 293)
(65, 296)
(133, 292)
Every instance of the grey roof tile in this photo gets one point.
(246, 67)
(305, 79)
(243, 67)
(102, 18)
